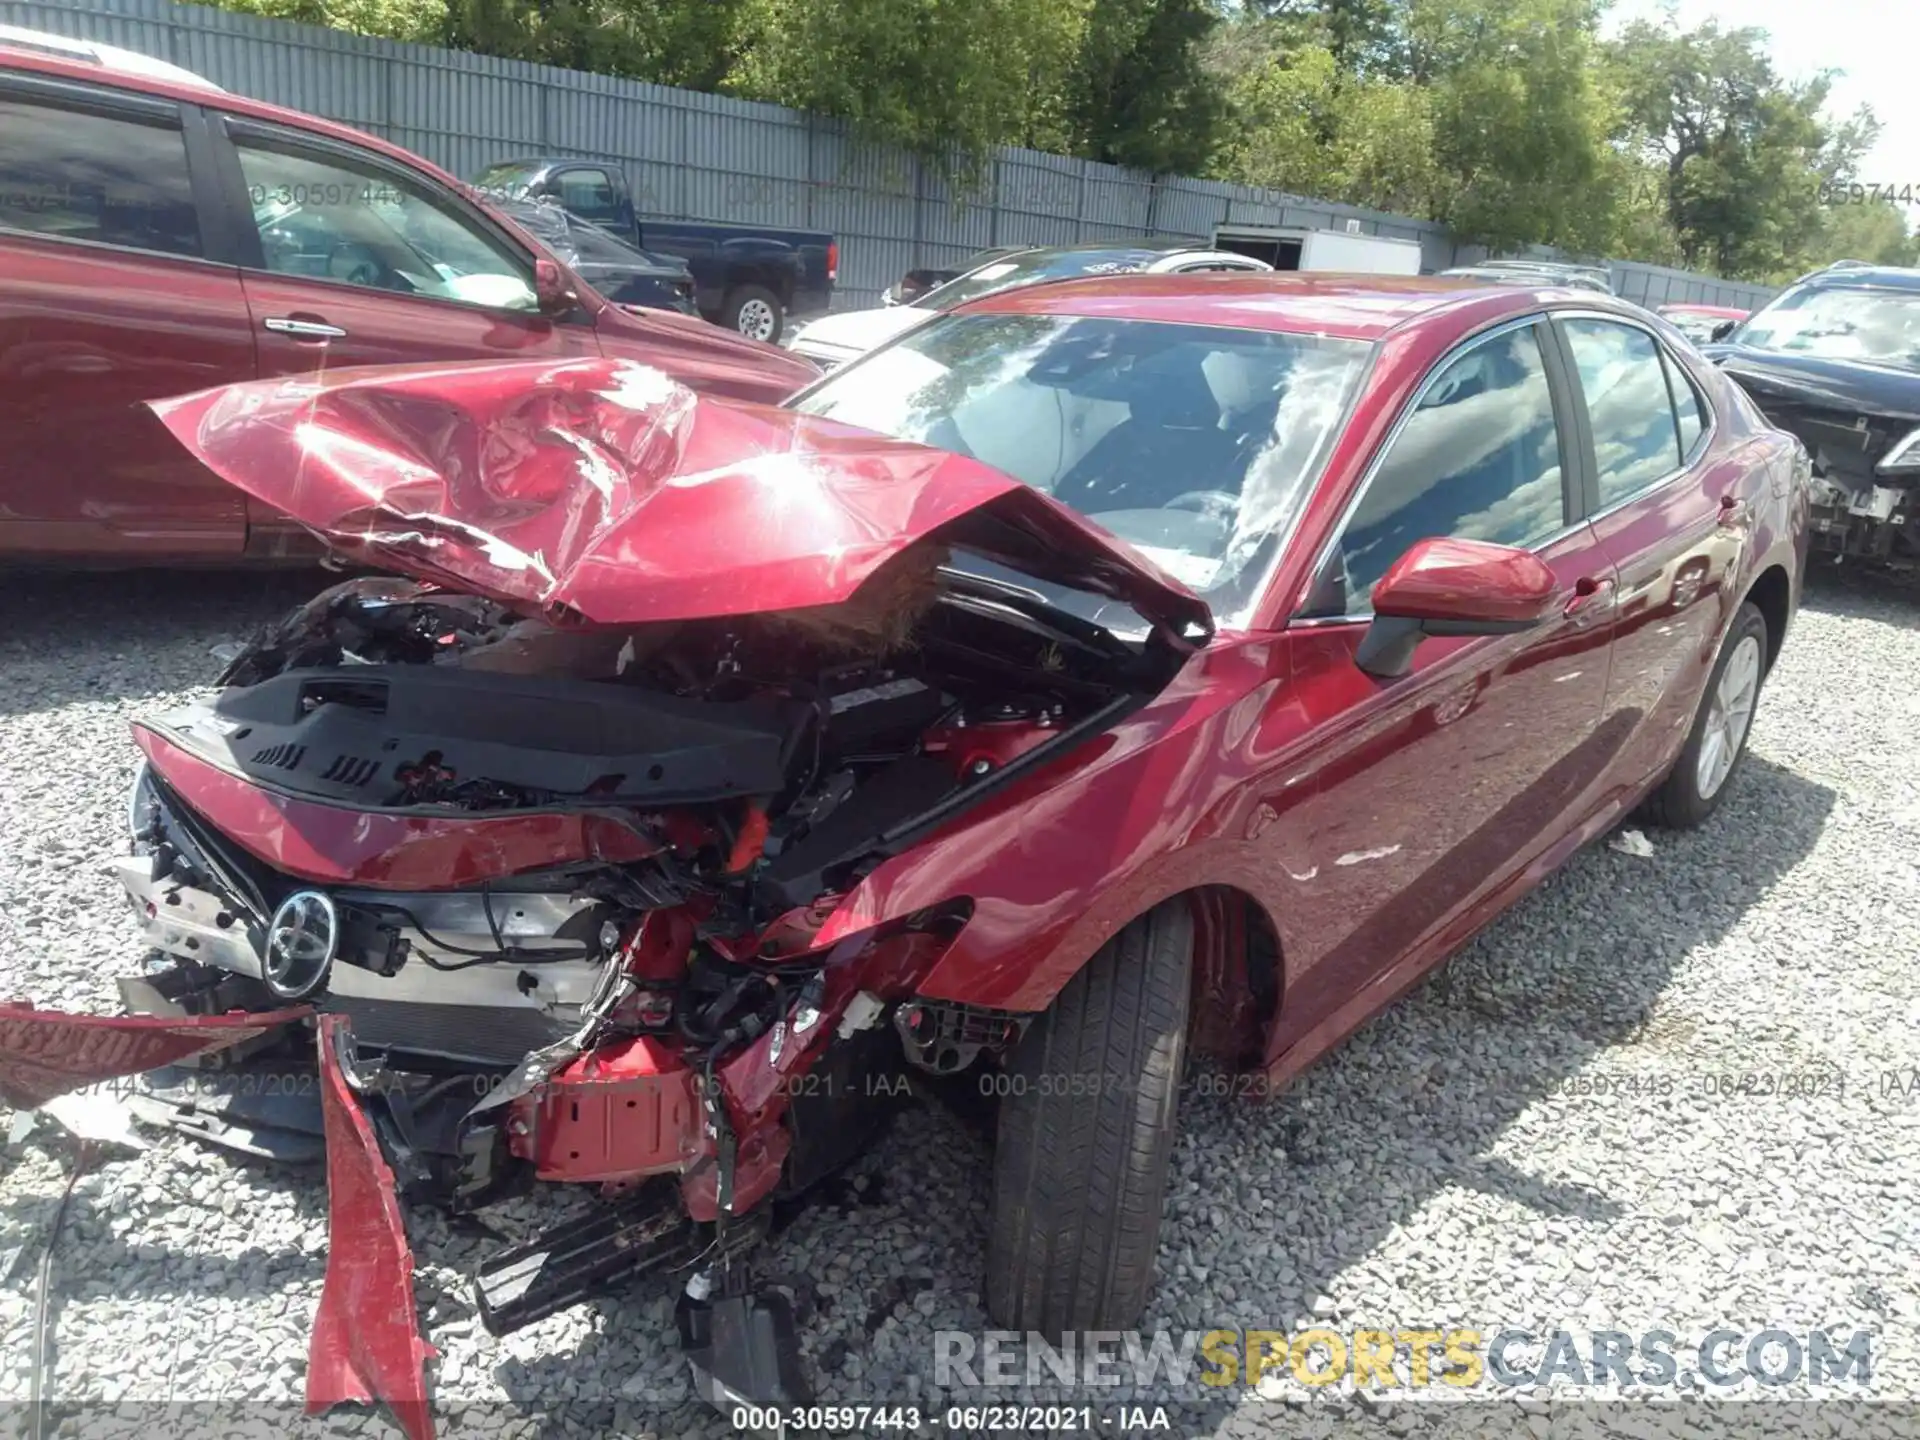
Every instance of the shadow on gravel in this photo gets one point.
(92, 1263)
(70, 638)
(1887, 597)
(1385, 1122)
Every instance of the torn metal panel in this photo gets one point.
(604, 489)
(44, 1053)
(366, 1343)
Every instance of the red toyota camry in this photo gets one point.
(1098, 677)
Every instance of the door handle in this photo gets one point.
(302, 329)
(1591, 600)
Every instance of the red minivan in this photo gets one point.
(159, 235)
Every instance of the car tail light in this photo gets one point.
(833, 261)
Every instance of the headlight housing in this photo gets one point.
(1905, 454)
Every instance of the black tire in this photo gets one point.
(1085, 1135)
(750, 302)
(1678, 803)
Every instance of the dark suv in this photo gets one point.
(1835, 359)
(159, 235)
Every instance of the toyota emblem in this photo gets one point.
(301, 940)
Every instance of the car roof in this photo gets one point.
(1856, 274)
(1355, 307)
(96, 57)
(155, 77)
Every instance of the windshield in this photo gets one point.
(1196, 444)
(1854, 322)
(1031, 268)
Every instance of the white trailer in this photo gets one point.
(1346, 250)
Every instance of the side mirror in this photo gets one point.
(893, 295)
(1722, 329)
(1452, 587)
(552, 289)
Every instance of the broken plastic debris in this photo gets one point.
(1631, 842)
(861, 1012)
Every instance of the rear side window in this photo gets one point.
(1635, 440)
(81, 175)
(1479, 460)
(1689, 410)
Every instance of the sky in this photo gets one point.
(1872, 41)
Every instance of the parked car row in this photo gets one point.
(1835, 360)
(838, 338)
(749, 280)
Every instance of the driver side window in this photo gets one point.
(1478, 460)
(322, 218)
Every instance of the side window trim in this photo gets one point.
(1709, 424)
(1377, 460)
(1677, 376)
(324, 147)
(139, 109)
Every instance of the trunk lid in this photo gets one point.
(604, 491)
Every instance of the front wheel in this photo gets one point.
(754, 311)
(1698, 782)
(1086, 1135)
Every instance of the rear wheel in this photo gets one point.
(1085, 1136)
(1698, 782)
(754, 311)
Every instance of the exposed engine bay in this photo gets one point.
(560, 886)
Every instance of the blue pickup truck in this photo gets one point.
(747, 278)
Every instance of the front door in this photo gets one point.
(352, 260)
(1432, 790)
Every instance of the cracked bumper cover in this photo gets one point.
(366, 1343)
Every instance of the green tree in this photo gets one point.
(423, 21)
(1138, 91)
(1520, 119)
(1873, 230)
(1743, 150)
(1303, 124)
(946, 78)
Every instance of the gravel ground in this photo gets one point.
(1451, 1165)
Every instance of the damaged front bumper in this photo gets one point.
(683, 1183)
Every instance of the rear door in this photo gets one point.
(1672, 520)
(116, 287)
(1433, 791)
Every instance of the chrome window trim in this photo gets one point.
(1407, 412)
(1700, 441)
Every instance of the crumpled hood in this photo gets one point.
(605, 489)
(1821, 380)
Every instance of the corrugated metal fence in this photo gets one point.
(705, 157)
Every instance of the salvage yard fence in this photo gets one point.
(707, 157)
